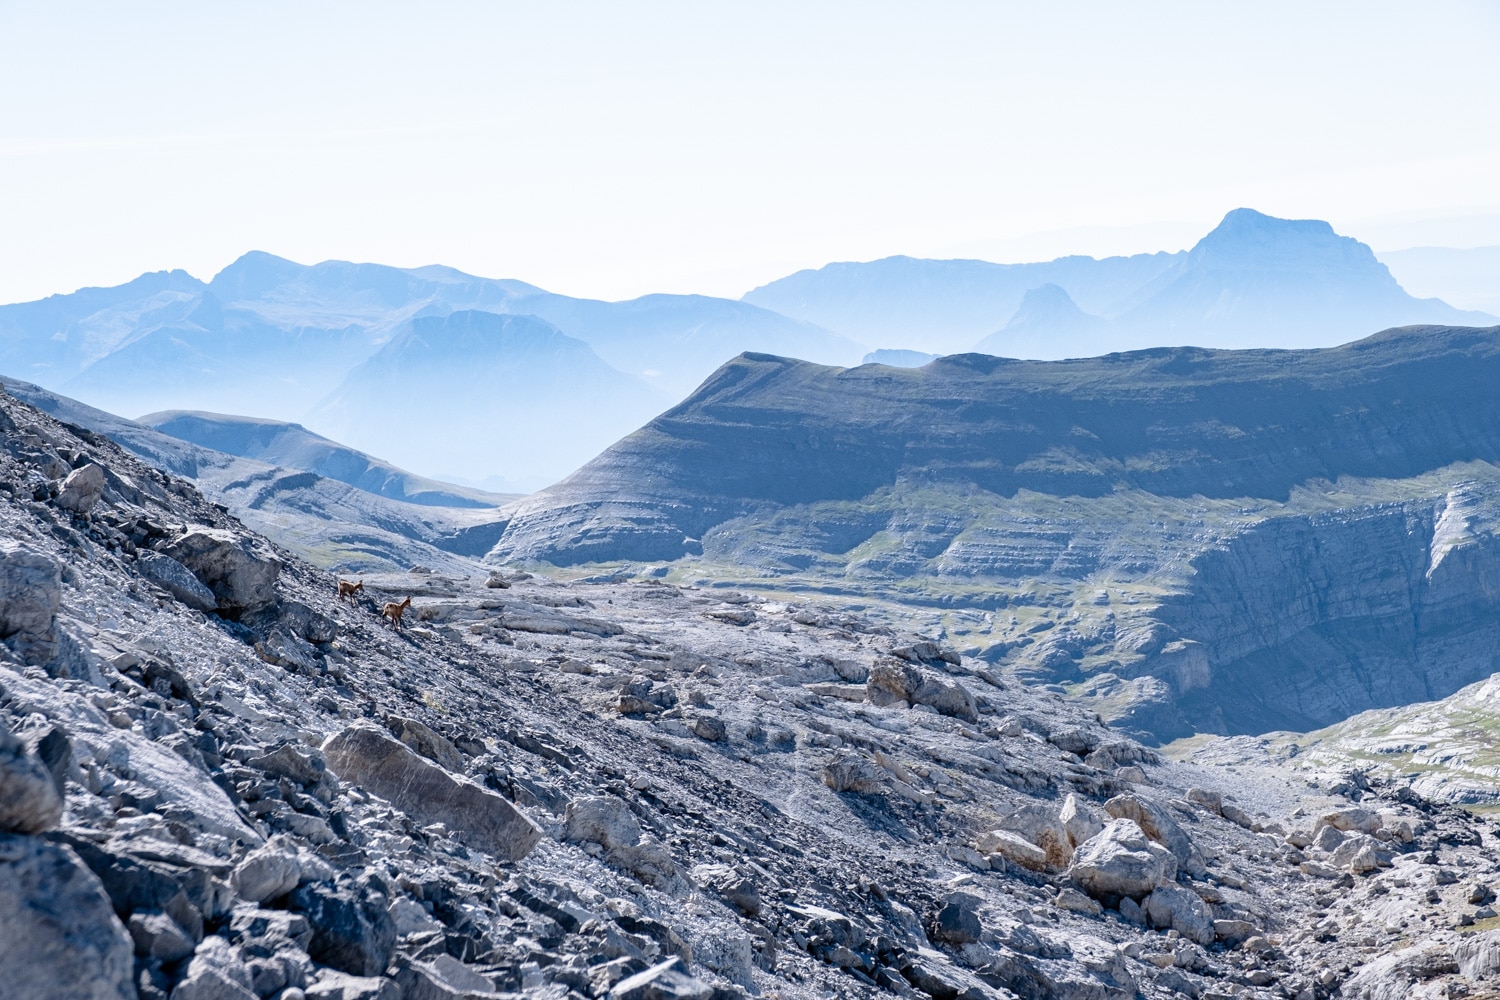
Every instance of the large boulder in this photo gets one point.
(59, 936)
(268, 872)
(29, 799)
(892, 681)
(1012, 847)
(947, 697)
(1159, 826)
(1040, 824)
(1171, 907)
(240, 571)
(215, 973)
(1121, 861)
(370, 757)
(353, 930)
(176, 579)
(1350, 820)
(1079, 820)
(607, 821)
(30, 594)
(82, 489)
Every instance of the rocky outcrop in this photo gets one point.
(1299, 622)
(59, 939)
(175, 578)
(893, 681)
(1120, 861)
(30, 801)
(369, 757)
(240, 571)
(30, 593)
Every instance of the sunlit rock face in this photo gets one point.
(1195, 540)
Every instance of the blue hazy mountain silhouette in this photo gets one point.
(480, 390)
(1047, 315)
(1278, 283)
(947, 306)
(272, 338)
(1254, 281)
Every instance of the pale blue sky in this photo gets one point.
(611, 149)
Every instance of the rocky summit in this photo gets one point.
(220, 780)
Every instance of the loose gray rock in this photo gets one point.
(82, 489)
(29, 797)
(666, 981)
(1121, 861)
(441, 978)
(300, 764)
(215, 973)
(1171, 907)
(59, 937)
(369, 757)
(353, 930)
(267, 873)
(175, 578)
(342, 986)
(602, 819)
(30, 594)
(157, 936)
(240, 571)
(738, 888)
(607, 821)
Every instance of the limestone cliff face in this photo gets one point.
(1299, 622)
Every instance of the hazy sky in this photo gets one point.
(610, 149)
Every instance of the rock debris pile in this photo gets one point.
(219, 782)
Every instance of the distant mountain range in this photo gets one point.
(1254, 281)
(370, 355)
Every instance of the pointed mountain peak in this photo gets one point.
(1049, 305)
(254, 274)
(1251, 240)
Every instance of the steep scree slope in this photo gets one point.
(218, 780)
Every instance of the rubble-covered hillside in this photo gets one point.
(218, 781)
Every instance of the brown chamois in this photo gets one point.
(350, 590)
(394, 611)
